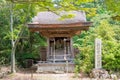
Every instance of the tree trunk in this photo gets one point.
(13, 60)
(12, 40)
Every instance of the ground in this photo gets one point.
(30, 74)
(45, 76)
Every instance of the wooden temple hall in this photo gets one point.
(59, 35)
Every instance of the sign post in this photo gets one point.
(98, 56)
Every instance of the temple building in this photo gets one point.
(59, 53)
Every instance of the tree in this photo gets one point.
(19, 16)
(4, 29)
(113, 5)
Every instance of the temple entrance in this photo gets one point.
(60, 49)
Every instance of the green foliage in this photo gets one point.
(86, 54)
(5, 56)
(20, 17)
(22, 57)
(111, 56)
(107, 31)
(67, 16)
(113, 5)
(4, 31)
(29, 48)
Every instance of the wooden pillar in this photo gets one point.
(54, 52)
(65, 49)
(71, 45)
(48, 48)
(51, 51)
(68, 47)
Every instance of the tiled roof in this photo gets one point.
(52, 18)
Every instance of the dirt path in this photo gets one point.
(26, 76)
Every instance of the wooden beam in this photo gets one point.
(51, 27)
(59, 25)
(58, 29)
(64, 33)
(77, 32)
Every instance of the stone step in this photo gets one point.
(55, 67)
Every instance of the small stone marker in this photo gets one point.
(98, 62)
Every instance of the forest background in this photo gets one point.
(16, 38)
